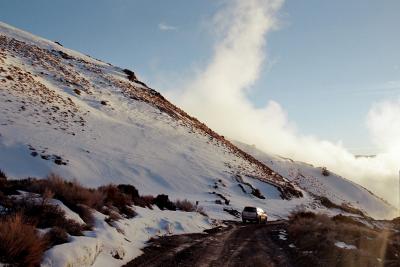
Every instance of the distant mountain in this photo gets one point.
(82, 118)
(365, 156)
(323, 183)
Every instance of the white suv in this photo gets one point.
(254, 214)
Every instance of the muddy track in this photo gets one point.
(234, 245)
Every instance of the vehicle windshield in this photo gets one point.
(250, 209)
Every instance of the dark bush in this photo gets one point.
(232, 212)
(65, 55)
(325, 171)
(86, 215)
(2, 175)
(226, 201)
(257, 193)
(131, 75)
(116, 198)
(129, 190)
(327, 203)
(144, 201)
(77, 91)
(318, 234)
(112, 214)
(72, 194)
(44, 215)
(185, 205)
(56, 236)
(162, 201)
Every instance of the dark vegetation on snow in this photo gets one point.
(26, 205)
(20, 244)
(344, 207)
(314, 237)
(325, 171)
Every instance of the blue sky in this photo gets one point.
(329, 61)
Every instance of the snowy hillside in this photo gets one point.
(68, 113)
(336, 188)
(82, 118)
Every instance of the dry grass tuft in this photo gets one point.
(72, 194)
(56, 236)
(20, 244)
(315, 235)
(186, 205)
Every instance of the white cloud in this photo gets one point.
(218, 96)
(165, 27)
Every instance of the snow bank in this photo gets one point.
(116, 245)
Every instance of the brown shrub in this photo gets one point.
(112, 215)
(20, 244)
(77, 91)
(44, 215)
(86, 214)
(113, 196)
(317, 234)
(72, 194)
(56, 236)
(144, 201)
(185, 205)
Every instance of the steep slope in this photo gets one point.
(68, 113)
(336, 188)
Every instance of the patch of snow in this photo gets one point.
(81, 251)
(282, 235)
(116, 245)
(343, 245)
(69, 214)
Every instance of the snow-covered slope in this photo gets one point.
(336, 188)
(82, 118)
(68, 113)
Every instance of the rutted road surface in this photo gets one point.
(234, 245)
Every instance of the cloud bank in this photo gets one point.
(218, 96)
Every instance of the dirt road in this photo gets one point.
(235, 245)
